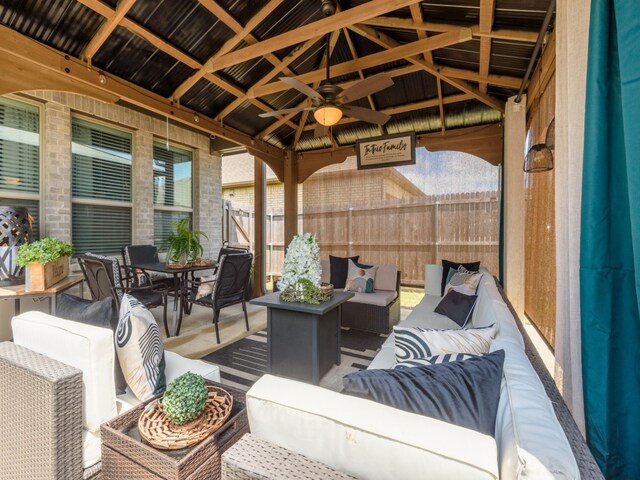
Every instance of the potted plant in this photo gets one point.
(46, 262)
(184, 244)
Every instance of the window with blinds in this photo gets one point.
(172, 177)
(20, 157)
(101, 188)
(172, 189)
(163, 224)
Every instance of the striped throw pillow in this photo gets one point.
(411, 343)
(434, 360)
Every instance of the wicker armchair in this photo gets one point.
(41, 410)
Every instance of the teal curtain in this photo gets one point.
(610, 239)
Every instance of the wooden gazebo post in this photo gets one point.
(259, 218)
(290, 197)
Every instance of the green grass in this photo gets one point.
(410, 297)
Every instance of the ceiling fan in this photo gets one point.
(330, 102)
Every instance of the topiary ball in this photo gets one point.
(185, 398)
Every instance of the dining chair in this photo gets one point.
(137, 254)
(228, 287)
(103, 276)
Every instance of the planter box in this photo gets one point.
(40, 276)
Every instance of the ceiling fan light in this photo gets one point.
(327, 115)
(538, 159)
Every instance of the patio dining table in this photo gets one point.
(179, 278)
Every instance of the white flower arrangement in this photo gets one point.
(301, 273)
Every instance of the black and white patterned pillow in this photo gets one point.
(412, 343)
(435, 360)
(140, 350)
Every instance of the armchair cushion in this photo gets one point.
(85, 347)
(100, 313)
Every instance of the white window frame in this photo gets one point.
(168, 208)
(102, 202)
(38, 197)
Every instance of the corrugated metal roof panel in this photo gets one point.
(207, 98)
(510, 58)
(185, 24)
(520, 14)
(136, 60)
(469, 114)
(310, 60)
(462, 12)
(287, 99)
(408, 89)
(245, 118)
(65, 25)
(241, 10)
(247, 73)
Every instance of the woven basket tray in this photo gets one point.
(160, 432)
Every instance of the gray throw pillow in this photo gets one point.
(457, 306)
(99, 313)
(462, 393)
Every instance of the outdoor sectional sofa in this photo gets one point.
(57, 388)
(374, 312)
(336, 435)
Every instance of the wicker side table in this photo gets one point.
(125, 456)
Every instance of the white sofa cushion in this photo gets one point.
(381, 298)
(385, 277)
(432, 279)
(531, 442)
(85, 347)
(91, 448)
(364, 438)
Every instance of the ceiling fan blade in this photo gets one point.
(302, 88)
(365, 87)
(284, 111)
(365, 114)
(320, 130)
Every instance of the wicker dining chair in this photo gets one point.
(229, 287)
(103, 275)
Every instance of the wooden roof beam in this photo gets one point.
(62, 67)
(443, 122)
(487, 11)
(397, 52)
(416, 15)
(106, 29)
(389, 43)
(241, 33)
(326, 25)
(410, 24)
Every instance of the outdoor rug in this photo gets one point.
(245, 361)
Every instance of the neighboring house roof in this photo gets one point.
(237, 170)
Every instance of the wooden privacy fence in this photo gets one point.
(408, 233)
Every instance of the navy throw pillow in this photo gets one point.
(457, 306)
(462, 393)
(339, 268)
(99, 313)
(447, 264)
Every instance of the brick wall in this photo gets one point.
(55, 194)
